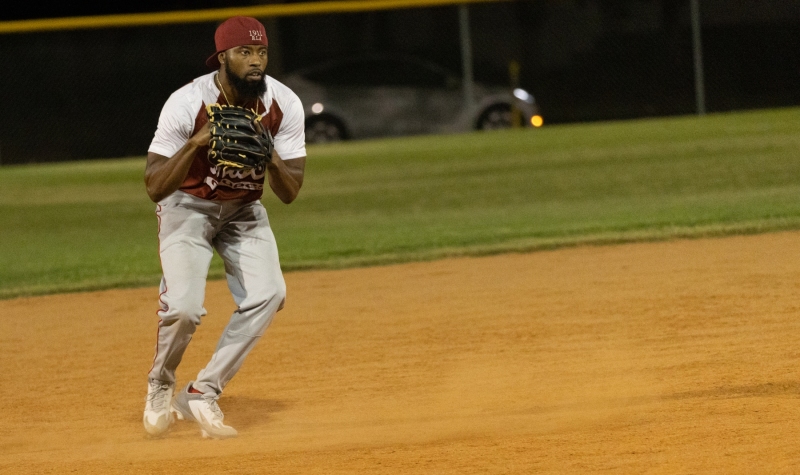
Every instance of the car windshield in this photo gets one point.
(380, 72)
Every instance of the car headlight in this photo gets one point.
(523, 95)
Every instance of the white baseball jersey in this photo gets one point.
(184, 114)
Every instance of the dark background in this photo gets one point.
(97, 93)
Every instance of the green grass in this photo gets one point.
(89, 225)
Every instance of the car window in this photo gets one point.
(380, 72)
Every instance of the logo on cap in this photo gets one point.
(255, 35)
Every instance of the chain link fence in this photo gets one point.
(97, 93)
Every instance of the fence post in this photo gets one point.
(466, 56)
(697, 46)
(513, 73)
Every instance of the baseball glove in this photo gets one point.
(238, 140)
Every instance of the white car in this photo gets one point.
(381, 96)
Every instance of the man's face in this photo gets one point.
(245, 67)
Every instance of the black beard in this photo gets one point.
(245, 89)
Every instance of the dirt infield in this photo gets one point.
(677, 357)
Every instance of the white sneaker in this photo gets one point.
(203, 409)
(157, 416)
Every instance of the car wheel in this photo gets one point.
(497, 116)
(324, 129)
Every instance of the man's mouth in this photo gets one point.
(254, 75)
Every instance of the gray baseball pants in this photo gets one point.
(190, 228)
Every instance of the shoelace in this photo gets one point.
(212, 404)
(157, 395)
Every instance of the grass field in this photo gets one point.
(89, 225)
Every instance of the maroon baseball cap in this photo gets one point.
(237, 31)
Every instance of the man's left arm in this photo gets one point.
(286, 176)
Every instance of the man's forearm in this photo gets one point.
(285, 180)
(164, 175)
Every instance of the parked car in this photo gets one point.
(382, 95)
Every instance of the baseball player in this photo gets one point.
(201, 208)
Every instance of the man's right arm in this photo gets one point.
(163, 175)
